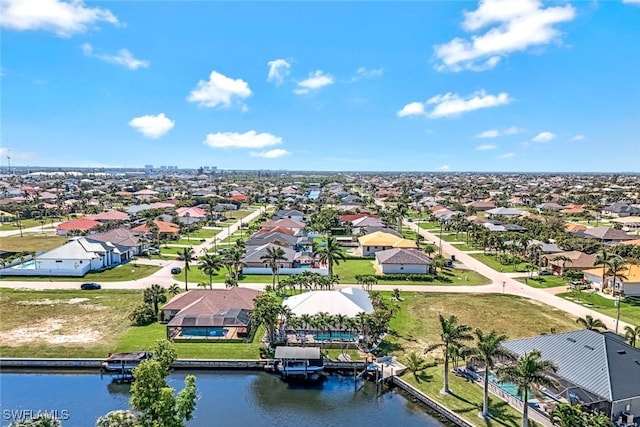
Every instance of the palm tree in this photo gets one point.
(591, 323)
(452, 334)
(272, 256)
(602, 258)
(488, 350)
(233, 262)
(528, 370)
(155, 295)
(331, 253)
(415, 363)
(210, 264)
(430, 249)
(563, 259)
(186, 255)
(564, 415)
(616, 267)
(632, 335)
(174, 290)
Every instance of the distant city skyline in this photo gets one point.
(494, 85)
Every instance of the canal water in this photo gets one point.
(226, 398)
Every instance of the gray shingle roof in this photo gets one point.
(402, 256)
(596, 362)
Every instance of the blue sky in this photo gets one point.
(495, 85)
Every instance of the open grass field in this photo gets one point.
(460, 237)
(28, 223)
(465, 247)
(173, 249)
(415, 326)
(544, 281)
(629, 309)
(193, 241)
(349, 269)
(431, 226)
(118, 274)
(196, 275)
(492, 262)
(66, 323)
(201, 234)
(31, 242)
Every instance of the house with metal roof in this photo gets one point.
(597, 371)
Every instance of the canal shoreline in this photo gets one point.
(37, 365)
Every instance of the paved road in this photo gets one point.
(512, 286)
(162, 277)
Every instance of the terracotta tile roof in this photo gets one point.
(163, 227)
(111, 215)
(82, 224)
(239, 198)
(380, 238)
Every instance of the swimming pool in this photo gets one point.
(29, 265)
(342, 336)
(509, 388)
(204, 332)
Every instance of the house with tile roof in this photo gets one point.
(369, 244)
(577, 261)
(78, 224)
(596, 371)
(110, 216)
(607, 235)
(402, 261)
(166, 230)
(212, 315)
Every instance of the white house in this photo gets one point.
(402, 261)
(347, 301)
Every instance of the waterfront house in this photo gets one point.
(210, 314)
(347, 302)
(597, 371)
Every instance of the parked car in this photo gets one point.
(91, 286)
(176, 270)
(545, 273)
(153, 251)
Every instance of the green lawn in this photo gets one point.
(432, 227)
(27, 223)
(171, 249)
(629, 310)
(544, 281)
(461, 237)
(31, 242)
(117, 274)
(464, 247)
(491, 261)
(201, 234)
(196, 275)
(348, 270)
(193, 241)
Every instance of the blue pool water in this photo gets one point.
(510, 388)
(29, 265)
(205, 332)
(345, 336)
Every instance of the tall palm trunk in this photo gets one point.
(445, 389)
(525, 410)
(485, 399)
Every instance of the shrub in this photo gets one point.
(142, 315)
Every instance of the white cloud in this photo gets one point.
(493, 133)
(544, 137)
(60, 17)
(316, 80)
(250, 139)
(506, 155)
(278, 70)
(270, 154)
(412, 109)
(581, 137)
(636, 2)
(515, 25)
(123, 57)
(485, 147)
(452, 104)
(366, 73)
(152, 126)
(443, 168)
(219, 90)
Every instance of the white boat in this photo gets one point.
(125, 362)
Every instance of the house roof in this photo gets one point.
(353, 217)
(631, 242)
(311, 353)
(208, 301)
(599, 363)
(119, 236)
(578, 259)
(347, 301)
(380, 238)
(505, 211)
(402, 256)
(606, 233)
(255, 254)
(239, 198)
(80, 249)
(367, 221)
(163, 227)
(571, 227)
(234, 317)
(145, 192)
(193, 212)
(283, 222)
(82, 224)
(111, 215)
